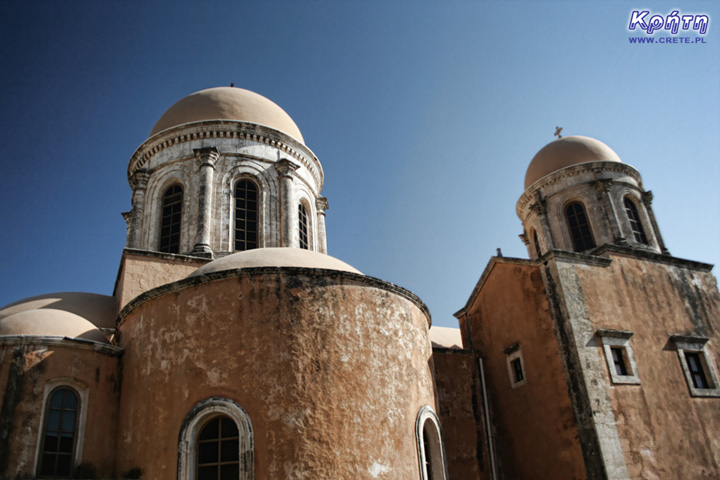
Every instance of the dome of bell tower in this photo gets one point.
(228, 103)
(566, 152)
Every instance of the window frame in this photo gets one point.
(234, 209)
(199, 416)
(580, 237)
(632, 213)
(81, 391)
(514, 358)
(698, 345)
(619, 340)
(428, 418)
(303, 212)
(160, 236)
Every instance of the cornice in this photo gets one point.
(57, 341)
(573, 171)
(225, 129)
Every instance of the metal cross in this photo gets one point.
(557, 132)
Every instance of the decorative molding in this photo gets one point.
(223, 129)
(57, 341)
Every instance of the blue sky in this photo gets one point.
(424, 115)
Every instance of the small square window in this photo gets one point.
(697, 366)
(619, 356)
(515, 366)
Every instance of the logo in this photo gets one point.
(673, 23)
(677, 28)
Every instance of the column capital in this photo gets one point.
(602, 186)
(647, 197)
(523, 236)
(140, 179)
(321, 204)
(207, 156)
(285, 167)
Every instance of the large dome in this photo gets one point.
(228, 103)
(274, 257)
(50, 322)
(565, 152)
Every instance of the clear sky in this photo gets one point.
(424, 115)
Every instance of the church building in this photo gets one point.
(233, 347)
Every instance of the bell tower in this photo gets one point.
(579, 195)
(225, 170)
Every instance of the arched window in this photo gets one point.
(536, 243)
(216, 442)
(246, 215)
(171, 218)
(218, 450)
(431, 452)
(634, 218)
(579, 227)
(303, 227)
(57, 451)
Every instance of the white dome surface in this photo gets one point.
(49, 322)
(100, 310)
(228, 103)
(274, 257)
(566, 152)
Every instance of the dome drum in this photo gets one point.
(284, 343)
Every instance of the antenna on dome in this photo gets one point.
(557, 132)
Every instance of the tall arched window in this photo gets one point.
(57, 451)
(218, 451)
(216, 442)
(246, 215)
(430, 448)
(171, 218)
(303, 227)
(579, 227)
(635, 224)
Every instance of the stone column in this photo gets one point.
(540, 209)
(321, 204)
(207, 157)
(288, 209)
(647, 198)
(140, 180)
(602, 187)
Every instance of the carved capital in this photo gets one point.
(539, 207)
(207, 156)
(602, 186)
(140, 179)
(127, 216)
(285, 168)
(321, 203)
(523, 236)
(647, 197)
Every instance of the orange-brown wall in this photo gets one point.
(460, 413)
(534, 422)
(331, 369)
(665, 433)
(24, 372)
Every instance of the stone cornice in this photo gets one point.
(573, 171)
(57, 341)
(211, 129)
(348, 278)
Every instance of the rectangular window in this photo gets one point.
(696, 365)
(619, 356)
(516, 366)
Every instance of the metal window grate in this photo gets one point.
(579, 227)
(246, 215)
(171, 220)
(59, 436)
(303, 227)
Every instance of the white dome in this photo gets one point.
(49, 322)
(274, 257)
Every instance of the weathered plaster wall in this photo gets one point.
(461, 414)
(534, 422)
(25, 369)
(664, 432)
(331, 368)
(143, 271)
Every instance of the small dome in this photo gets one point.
(100, 310)
(49, 322)
(274, 257)
(228, 103)
(565, 152)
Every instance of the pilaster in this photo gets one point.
(207, 157)
(321, 204)
(139, 180)
(288, 209)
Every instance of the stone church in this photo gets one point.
(234, 347)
